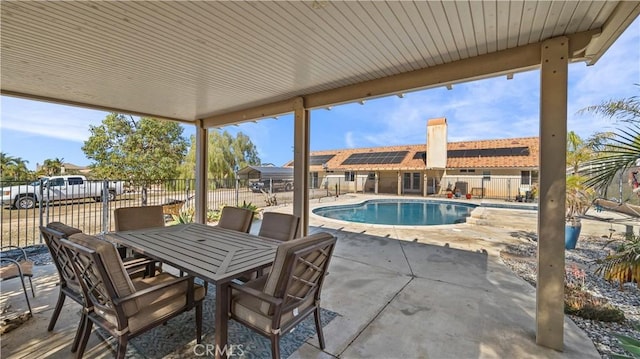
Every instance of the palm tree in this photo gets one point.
(13, 168)
(53, 167)
(621, 151)
(6, 162)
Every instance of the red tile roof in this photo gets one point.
(409, 163)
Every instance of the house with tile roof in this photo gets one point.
(500, 168)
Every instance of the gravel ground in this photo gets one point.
(522, 260)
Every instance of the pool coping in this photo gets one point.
(358, 199)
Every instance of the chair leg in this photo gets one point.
(26, 296)
(275, 346)
(56, 312)
(199, 322)
(33, 292)
(122, 347)
(79, 333)
(86, 332)
(319, 327)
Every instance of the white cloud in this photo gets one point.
(48, 120)
(348, 140)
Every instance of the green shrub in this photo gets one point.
(582, 304)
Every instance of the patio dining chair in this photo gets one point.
(279, 226)
(120, 306)
(236, 218)
(275, 303)
(132, 218)
(20, 267)
(69, 284)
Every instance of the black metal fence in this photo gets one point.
(89, 205)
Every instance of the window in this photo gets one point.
(56, 182)
(467, 171)
(371, 176)
(75, 180)
(349, 176)
(528, 177)
(313, 180)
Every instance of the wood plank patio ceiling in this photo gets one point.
(194, 60)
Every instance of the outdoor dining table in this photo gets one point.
(214, 254)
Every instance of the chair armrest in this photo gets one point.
(256, 293)
(138, 294)
(138, 262)
(24, 253)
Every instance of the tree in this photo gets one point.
(13, 168)
(144, 151)
(52, 167)
(621, 151)
(225, 152)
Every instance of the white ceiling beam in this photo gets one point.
(89, 106)
(500, 63)
(620, 19)
(250, 114)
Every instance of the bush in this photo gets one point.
(583, 304)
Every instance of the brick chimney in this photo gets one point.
(437, 143)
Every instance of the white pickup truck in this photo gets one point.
(58, 188)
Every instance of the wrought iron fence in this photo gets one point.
(90, 206)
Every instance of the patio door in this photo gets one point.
(411, 182)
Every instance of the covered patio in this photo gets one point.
(213, 64)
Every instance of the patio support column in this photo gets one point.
(399, 183)
(202, 142)
(376, 180)
(301, 164)
(551, 216)
(425, 183)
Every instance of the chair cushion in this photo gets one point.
(159, 304)
(176, 289)
(63, 228)
(113, 265)
(282, 252)
(248, 308)
(10, 270)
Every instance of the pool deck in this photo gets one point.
(400, 292)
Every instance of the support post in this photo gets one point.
(201, 173)
(425, 184)
(551, 217)
(301, 165)
(399, 183)
(376, 180)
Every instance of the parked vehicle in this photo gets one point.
(58, 188)
(271, 185)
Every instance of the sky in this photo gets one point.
(485, 109)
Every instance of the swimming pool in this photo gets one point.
(404, 212)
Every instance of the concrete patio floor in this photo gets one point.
(438, 292)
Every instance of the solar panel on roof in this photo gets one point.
(319, 159)
(375, 158)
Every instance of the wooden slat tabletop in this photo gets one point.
(208, 252)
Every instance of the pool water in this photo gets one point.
(399, 212)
